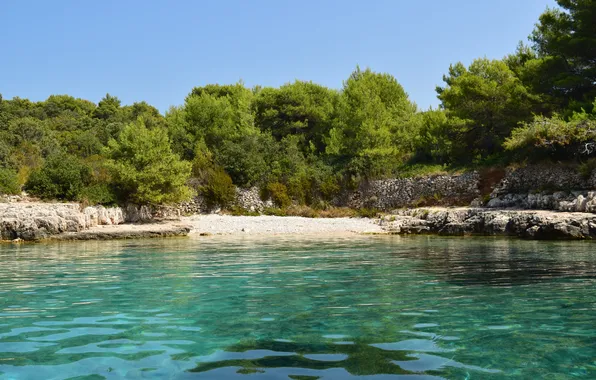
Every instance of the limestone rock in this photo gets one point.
(477, 221)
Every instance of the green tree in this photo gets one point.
(249, 160)
(240, 99)
(565, 40)
(62, 176)
(9, 181)
(300, 108)
(374, 113)
(143, 167)
(107, 108)
(60, 104)
(491, 100)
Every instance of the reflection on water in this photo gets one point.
(299, 308)
(503, 262)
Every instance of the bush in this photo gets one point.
(99, 193)
(144, 169)
(9, 182)
(329, 188)
(61, 177)
(553, 137)
(587, 168)
(299, 189)
(219, 189)
(278, 192)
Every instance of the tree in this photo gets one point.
(240, 99)
(9, 181)
(490, 99)
(107, 108)
(62, 176)
(374, 111)
(212, 114)
(143, 167)
(59, 104)
(565, 40)
(300, 108)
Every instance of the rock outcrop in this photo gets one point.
(125, 232)
(573, 201)
(35, 221)
(530, 224)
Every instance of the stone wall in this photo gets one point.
(248, 199)
(543, 178)
(403, 192)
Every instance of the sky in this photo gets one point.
(157, 51)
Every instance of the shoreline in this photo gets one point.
(463, 221)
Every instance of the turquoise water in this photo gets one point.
(299, 308)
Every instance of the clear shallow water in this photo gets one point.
(299, 308)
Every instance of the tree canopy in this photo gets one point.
(305, 142)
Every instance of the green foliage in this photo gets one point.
(98, 193)
(278, 192)
(490, 99)
(373, 120)
(367, 213)
(311, 142)
(300, 108)
(143, 167)
(587, 168)
(329, 188)
(218, 189)
(61, 176)
(248, 161)
(555, 137)
(564, 39)
(419, 170)
(9, 182)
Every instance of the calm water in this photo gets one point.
(299, 308)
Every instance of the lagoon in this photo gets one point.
(283, 307)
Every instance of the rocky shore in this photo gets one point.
(127, 231)
(529, 224)
(534, 202)
(57, 221)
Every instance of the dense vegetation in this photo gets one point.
(303, 142)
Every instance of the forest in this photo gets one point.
(302, 142)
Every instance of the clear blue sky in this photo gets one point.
(158, 50)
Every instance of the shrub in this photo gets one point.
(329, 188)
(278, 192)
(299, 189)
(144, 169)
(9, 182)
(553, 137)
(61, 177)
(587, 168)
(367, 212)
(98, 193)
(219, 189)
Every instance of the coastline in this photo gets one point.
(462, 221)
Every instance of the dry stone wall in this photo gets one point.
(403, 192)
